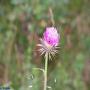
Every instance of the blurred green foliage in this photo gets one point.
(22, 23)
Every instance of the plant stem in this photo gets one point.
(45, 71)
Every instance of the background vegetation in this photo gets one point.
(22, 23)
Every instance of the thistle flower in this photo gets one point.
(48, 46)
(49, 42)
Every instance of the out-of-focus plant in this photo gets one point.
(22, 22)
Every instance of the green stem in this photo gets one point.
(45, 71)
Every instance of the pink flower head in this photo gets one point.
(49, 42)
(51, 36)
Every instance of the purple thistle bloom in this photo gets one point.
(51, 36)
(49, 42)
